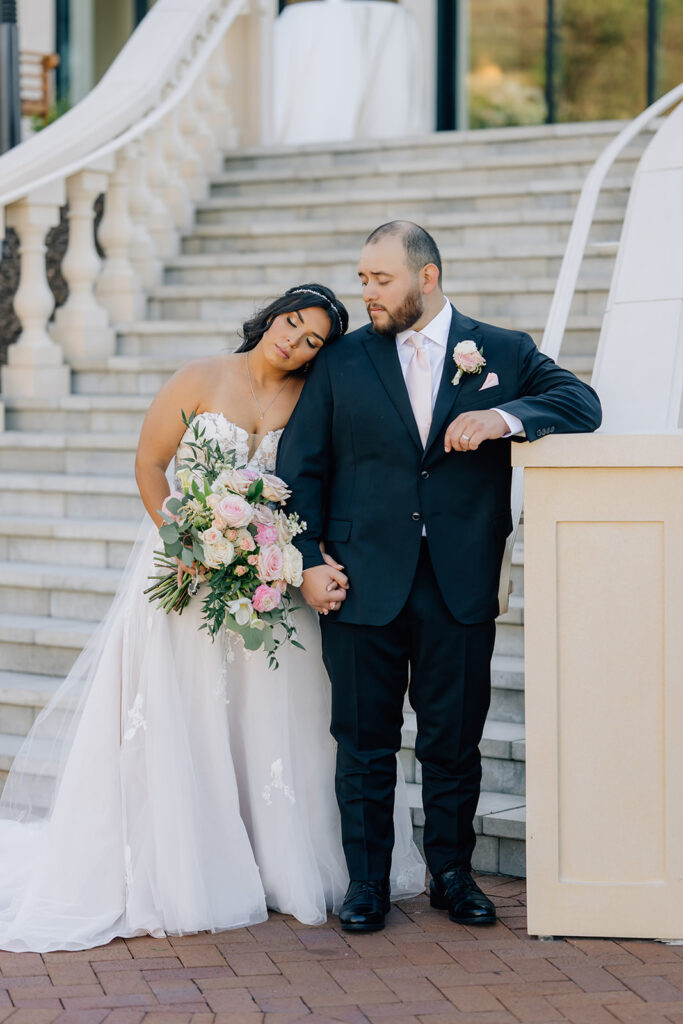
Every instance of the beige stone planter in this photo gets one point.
(603, 533)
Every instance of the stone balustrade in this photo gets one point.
(147, 138)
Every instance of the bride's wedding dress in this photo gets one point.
(166, 788)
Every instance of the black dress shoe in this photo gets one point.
(456, 891)
(365, 906)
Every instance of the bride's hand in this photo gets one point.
(182, 568)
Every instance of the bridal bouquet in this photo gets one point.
(229, 523)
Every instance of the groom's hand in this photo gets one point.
(324, 586)
(469, 429)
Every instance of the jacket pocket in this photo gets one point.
(337, 530)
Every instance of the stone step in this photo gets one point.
(338, 269)
(172, 342)
(57, 591)
(58, 541)
(412, 203)
(22, 697)
(483, 298)
(70, 495)
(508, 227)
(500, 826)
(116, 414)
(391, 171)
(499, 822)
(50, 645)
(488, 144)
(80, 453)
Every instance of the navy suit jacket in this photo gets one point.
(363, 483)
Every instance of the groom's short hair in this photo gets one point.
(420, 248)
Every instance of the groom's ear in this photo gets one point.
(429, 278)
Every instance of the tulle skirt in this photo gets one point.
(172, 785)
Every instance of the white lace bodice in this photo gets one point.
(252, 452)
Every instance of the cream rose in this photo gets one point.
(275, 489)
(284, 531)
(237, 480)
(245, 541)
(220, 554)
(292, 565)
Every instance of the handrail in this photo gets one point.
(565, 289)
(131, 97)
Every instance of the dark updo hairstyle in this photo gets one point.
(302, 296)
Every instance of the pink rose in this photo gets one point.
(266, 535)
(281, 585)
(266, 598)
(231, 535)
(245, 541)
(252, 559)
(174, 494)
(235, 511)
(240, 570)
(275, 489)
(470, 360)
(270, 563)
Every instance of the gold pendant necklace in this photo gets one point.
(253, 393)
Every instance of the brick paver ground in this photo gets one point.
(421, 970)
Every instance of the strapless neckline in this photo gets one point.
(260, 455)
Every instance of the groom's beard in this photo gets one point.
(407, 314)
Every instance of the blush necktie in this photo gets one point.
(419, 385)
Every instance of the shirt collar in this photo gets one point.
(436, 330)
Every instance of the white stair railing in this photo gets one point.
(565, 288)
(187, 84)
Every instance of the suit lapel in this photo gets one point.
(450, 394)
(382, 352)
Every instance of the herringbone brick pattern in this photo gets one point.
(421, 970)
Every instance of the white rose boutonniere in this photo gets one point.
(468, 358)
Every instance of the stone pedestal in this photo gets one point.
(603, 561)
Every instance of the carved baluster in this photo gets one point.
(206, 142)
(159, 219)
(81, 325)
(220, 115)
(35, 365)
(118, 287)
(143, 253)
(191, 164)
(176, 194)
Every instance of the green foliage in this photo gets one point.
(55, 112)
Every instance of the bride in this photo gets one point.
(174, 784)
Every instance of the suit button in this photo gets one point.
(416, 516)
(424, 474)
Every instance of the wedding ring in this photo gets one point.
(464, 437)
(333, 605)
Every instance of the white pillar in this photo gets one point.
(82, 325)
(35, 366)
(205, 139)
(118, 288)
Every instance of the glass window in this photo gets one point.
(507, 62)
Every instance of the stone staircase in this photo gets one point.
(500, 204)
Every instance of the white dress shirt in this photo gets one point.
(435, 335)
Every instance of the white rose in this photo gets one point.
(292, 565)
(241, 610)
(284, 531)
(217, 555)
(465, 348)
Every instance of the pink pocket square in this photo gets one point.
(490, 382)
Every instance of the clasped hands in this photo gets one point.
(324, 586)
(469, 429)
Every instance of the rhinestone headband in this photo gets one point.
(330, 307)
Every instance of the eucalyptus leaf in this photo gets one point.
(169, 533)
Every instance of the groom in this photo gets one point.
(399, 462)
